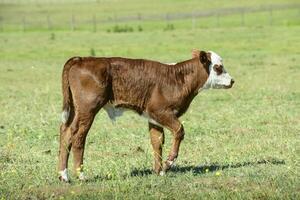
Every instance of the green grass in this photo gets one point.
(241, 143)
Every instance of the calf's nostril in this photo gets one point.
(232, 82)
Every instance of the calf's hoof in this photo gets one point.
(162, 173)
(159, 171)
(64, 176)
(82, 177)
(168, 164)
(64, 180)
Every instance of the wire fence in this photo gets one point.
(74, 22)
(199, 14)
(47, 1)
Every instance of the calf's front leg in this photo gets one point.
(178, 136)
(170, 121)
(157, 140)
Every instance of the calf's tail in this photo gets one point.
(67, 95)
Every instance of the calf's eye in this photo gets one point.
(218, 69)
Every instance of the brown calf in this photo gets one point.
(161, 92)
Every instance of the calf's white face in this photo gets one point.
(218, 76)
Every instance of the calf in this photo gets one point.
(160, 92)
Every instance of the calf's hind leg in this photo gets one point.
(73, 138)
(64, 152)
(82, 125)
(157, 140)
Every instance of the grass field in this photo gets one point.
(241, 143)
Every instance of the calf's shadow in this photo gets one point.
(201, 169)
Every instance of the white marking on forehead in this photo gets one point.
(214, 80)
(215, 58)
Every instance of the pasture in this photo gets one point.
(241, 143)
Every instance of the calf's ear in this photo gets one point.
(195, 53)
(204, 57)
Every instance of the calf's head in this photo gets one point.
(218, 77)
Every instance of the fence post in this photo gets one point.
(49, 23)
(94, 23)
(193, 23)
(139, 16)
(271, 16)
(242, 18)
(24, 24)
(115, 18)
(167, 17)
(72, 22)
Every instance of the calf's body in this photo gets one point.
(158, 91)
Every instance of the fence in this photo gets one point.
(73, 23)
(18, 2)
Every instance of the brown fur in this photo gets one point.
(162, 91)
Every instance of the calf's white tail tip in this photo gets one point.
(65, 116)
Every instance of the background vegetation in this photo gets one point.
(241, 143)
